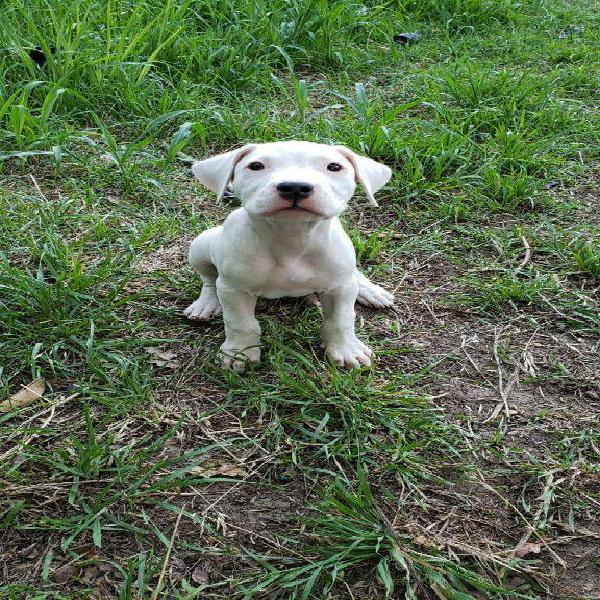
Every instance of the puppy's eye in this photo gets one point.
(334, 167)
(256, 166)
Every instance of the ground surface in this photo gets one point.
(463, 465)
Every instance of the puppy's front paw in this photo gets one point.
(237, 360)
(349, 353)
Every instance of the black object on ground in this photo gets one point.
(407, 37)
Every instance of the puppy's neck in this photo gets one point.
(290, 235)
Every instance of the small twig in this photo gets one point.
(558, 312)
(399, 319)
(167, 556)
(428, 307)
(237, 484)
(464, 349)
(502, 389)
(349, 590)
(527, 257)
(498, 247)
(400, 283)
(578, 533)
(505, 390)
(271, 542)
(37, 187)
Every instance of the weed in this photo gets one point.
(368, 248)
(512, 290)
(460, 14)
(509, 192)
(586, 256)
(350, 533)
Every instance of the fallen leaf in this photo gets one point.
(31, 551)
(86, 552)
(426, 542)
(64, 574)
(106, 567)
(163, 358)
(421, 540)
(514, 582)
(28, 395)
(91, 574)
(225, 470)
(177, 567)
(200, 575)
(527, 548)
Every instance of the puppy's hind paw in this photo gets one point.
(203, 309)
(373, 295)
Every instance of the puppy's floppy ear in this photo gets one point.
(371, 174)
(215, 172)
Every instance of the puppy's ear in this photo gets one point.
(369, 173)
(215, 172)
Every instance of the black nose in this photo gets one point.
(295, 190)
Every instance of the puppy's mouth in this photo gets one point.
(296, 210)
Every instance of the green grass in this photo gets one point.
(476, 430)
(349, 531)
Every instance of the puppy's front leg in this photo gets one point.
(242, 331)
(340, 342)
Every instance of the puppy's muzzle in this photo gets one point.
(295, 191)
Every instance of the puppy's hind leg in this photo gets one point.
(207, 305)
(371, 294)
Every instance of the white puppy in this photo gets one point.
(285, 240)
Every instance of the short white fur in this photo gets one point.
(282, 243)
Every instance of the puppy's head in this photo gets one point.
(292, 180)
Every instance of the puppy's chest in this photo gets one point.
(292, 277)
(289, 277)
